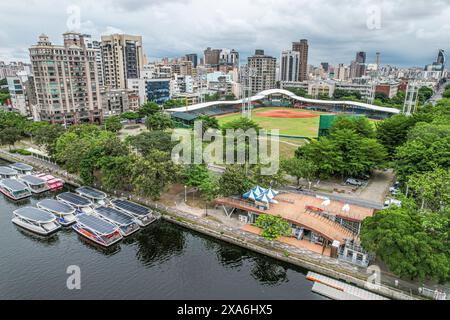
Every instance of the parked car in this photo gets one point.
(354, 182)
(394, 191)
(390, 202)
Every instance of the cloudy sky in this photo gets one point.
(406, 32)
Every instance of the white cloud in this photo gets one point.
(411, 31)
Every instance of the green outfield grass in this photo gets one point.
(307, 127)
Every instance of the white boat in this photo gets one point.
(34, 184)
(96, 196)
(35, 220)
(52, 182)
(97, 230)
(22, 168)
(13, 189)
(126, 223)
(64, 213)
(82, 204)
(143, 215)
(8, 173)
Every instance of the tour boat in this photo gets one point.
(96, 196)
(97, 230)
(34, 184)
(82, 204)
(144, 216)
(14, 189)
(64, 213)
(22, 168)
(126, 223)
(52, 182)
(35, 220)
(8, 173)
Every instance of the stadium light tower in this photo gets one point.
(411, 98)
(247, 73)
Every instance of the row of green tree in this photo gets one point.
(414, 239)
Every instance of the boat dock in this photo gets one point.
(338, 290)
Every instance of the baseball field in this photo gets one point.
(293, 122)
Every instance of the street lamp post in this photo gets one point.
(185, 193)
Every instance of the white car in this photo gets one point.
(394, 191)
(390, 202)
(354, 182)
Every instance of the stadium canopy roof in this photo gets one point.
(264, 94)
(184, 116)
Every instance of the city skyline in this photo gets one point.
(401, 38)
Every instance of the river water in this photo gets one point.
(162, 261)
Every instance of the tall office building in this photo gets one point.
(290, 66)
(123, 59)
(66, 80)
(192, 57)
(378, 60)
(441, 57)
(358, 67)
(263, 72)
(302, 47)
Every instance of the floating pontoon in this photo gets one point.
(82, 204)
(97, 230)
(22, 168)
(92, 194)
(144, 216)
(14, 189)
(35, 220)
(126, 223)
(8, 173)
(64, 213)
(34, 184)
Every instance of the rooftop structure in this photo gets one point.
(318, 220)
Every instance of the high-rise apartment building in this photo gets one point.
(302, 47)
(96, 45)
(212, 57)
(182, 68)
(229, 58)
(11, 69)
(66, 80)
(123, 59)
(262, 70)
(290, 66)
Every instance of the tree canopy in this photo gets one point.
(159, 122)
(273, 227)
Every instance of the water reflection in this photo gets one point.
(230, 257)
(159, 242)
(17, 203)
(46, 241)
(107, 251)
(268, 272)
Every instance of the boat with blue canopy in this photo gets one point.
(64, 212)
